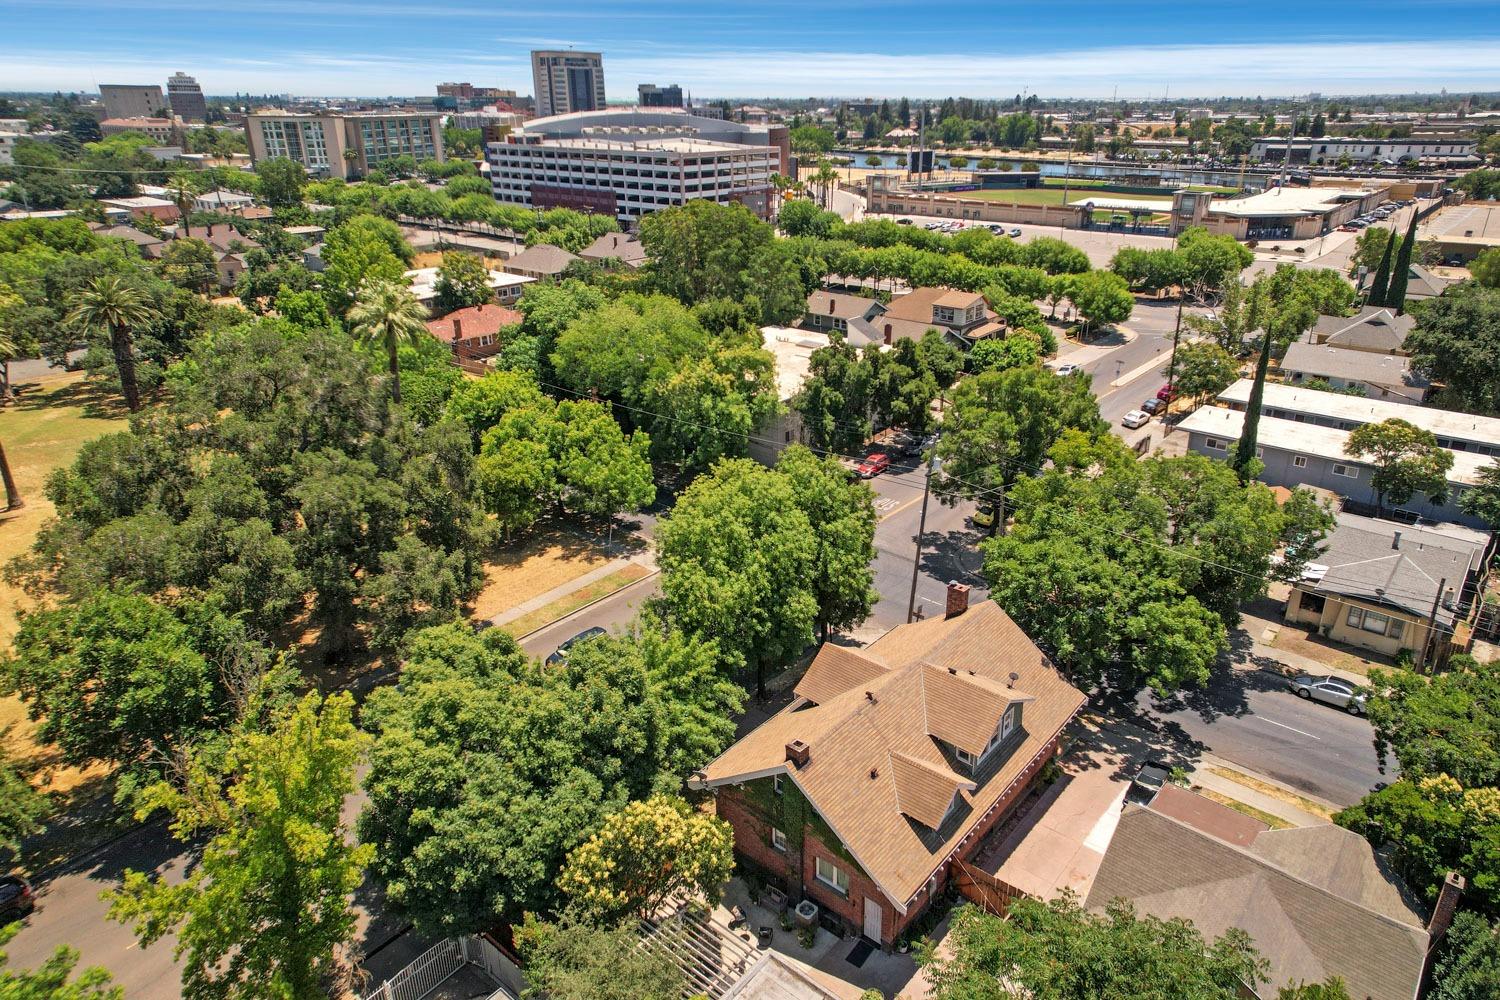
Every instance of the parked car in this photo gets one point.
(1166, 393)
(1148, 781)
(874, 465)
(1154, 406)
(1330, 689)
(1067, 369)
(983, 516)
(1348, 227)
(1014, 233)
(903, 222)
(1136, 418)
(16, 898)
(560, 654)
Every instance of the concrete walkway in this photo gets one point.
(646, 559)
(1276, 805)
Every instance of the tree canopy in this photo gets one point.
(1456, 341)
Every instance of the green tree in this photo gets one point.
(463, 281)
(844, 513)
(1060, 951)
(578, 961)
(54, 979)
(836, 399)
(189, 263)
(1443, 724)
(1482, 500)
(364, 250)
(114, 677)
(1406, 458)
(1468, 960)
(1380, 285)
(112, 304)
(1001, 424)
(999, 355)
(1456, 341)
(266, 913)
(22, 807)
(386, 315)
(488, 769)
(1210, 263)
(1486, 268)
(1102, 298)
(1401, 272)
(738, 559)
(708, 408)
(1203, 369)
(702, 249)
(281, 181)
(645, 854)
(480, 403)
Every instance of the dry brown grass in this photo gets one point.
(587, 594)
(43, 432)
(517, 573)
(1274, 822)
(1307, 805)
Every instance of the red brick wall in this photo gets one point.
(752, 840)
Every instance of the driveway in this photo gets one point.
(1061, 841)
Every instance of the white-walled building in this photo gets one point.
(1328, 149)
(631, 162)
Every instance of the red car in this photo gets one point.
(873, 465)
(1166, 394)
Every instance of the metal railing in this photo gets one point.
(431, 969)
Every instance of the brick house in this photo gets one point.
(893, 761)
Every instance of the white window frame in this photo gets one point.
(965, 758)
(1299, 461)
(1375, 617)
(776, 784)
(1356, 617)
(831, 880)
(1347, 471)
(1216, 444)
(778, 840)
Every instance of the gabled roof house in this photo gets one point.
(894, 761)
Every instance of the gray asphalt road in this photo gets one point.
(1248, 717)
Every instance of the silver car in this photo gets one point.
(1330, 689)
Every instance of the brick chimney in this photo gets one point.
(458, 334)
(958, 599)
(798, 753)
(1447, 903)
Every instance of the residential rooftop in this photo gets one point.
(1357, 410)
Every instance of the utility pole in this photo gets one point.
(1172, 365)
(916, 563)
(1431, 626)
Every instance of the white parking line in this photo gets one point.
(1285, 726)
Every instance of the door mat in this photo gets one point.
(859, 953)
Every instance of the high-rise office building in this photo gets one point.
(652, 96)
(186, 97)
(129, 100)
(567, 82)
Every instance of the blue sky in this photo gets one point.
(1087, 48)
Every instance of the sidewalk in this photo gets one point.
(646, 559)
(1202, 776)
(1263, 633)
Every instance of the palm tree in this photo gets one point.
(114, 305)
(386, 314)
(825, 177)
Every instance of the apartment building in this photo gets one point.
(166, 131)
(132, 100)
(631, 162)
(1303, 432)
(567, 81)
(347, 145)
(186, 97)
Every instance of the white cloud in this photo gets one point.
(1331, 67)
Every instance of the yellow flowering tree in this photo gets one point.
(646, 853)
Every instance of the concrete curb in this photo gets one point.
(579, 610)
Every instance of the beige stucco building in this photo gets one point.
(333, 144)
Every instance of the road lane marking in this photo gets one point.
(1285, 726)
(896, 510)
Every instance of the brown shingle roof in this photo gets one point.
(963, 708)
(834, 670)
(619, 246)
(1306, 931)
(952, 298)
(544, 258)
(857, 734)
(840, 305)
(1207, 815)
(475, 322)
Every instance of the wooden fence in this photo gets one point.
(980, 887)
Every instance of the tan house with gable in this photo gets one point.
(965, 316)
(894, 762)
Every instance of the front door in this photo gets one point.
(874, 916)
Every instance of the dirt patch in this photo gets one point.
(587, 594)
(1296, 639)
(517, 573)
(42, 432)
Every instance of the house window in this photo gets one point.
(1217, 444)
(1347, 471)
(1299, 461)
(778, 840)
(1354, 617)
(776, 786)
(835, 878)
(1376, 622)
(965, 758)
(1397, 627)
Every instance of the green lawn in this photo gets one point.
(1047, 196)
